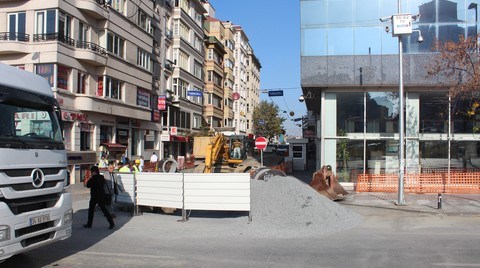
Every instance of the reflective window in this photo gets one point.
(367, 15)
(349, 159)
(464, 155)
(313, 42)
(350, 112)
(340, 41)
(464, 118)
(433, 155)
(382, 112)
(433, 112)
(371, 45)
(340, 13)
(382, 157)
(312, 13)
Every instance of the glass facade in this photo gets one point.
(340, 27)
(364, 133)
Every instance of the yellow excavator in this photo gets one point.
(224, 154)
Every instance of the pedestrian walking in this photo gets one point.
(98, 196)
(153, 158)
(114, 186)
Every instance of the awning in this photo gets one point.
(114, 147)
(179, 138)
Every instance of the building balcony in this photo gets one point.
(91, 53)
(94, 8)
(54, 37)
(169, 65)
(169, 35)
(14, 42)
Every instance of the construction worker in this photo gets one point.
(237, 146)
(135, 166)
(123, 168)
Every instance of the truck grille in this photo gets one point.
(34, 228)
(29, 186)
(28, 172)
(37, 239)
(21, 205)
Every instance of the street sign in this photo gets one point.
(261, 122)
(261, 143)
(194, 93)
(275, 93)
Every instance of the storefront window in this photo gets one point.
(382, 157)
(349, 159)
(464, 117)
(433, 156)
(382, 112)
(150, 139)
(464, 155)
(433, 112)
(350, 112)
(86, 137)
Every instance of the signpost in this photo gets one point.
(261, 144)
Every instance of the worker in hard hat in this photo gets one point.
(135, 166)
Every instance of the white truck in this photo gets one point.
(35, 209)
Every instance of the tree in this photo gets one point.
(458, 64)
(267, 121)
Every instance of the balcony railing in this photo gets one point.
(53, 37)
(9, 36)
(91, 46)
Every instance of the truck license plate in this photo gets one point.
(39, 219)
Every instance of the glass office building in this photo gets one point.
(349, 69)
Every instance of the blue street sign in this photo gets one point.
(261, 122)
(194, 93)
(275, 93)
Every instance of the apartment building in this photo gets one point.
(253, 87)
(185, 115)
(240, 87)
(98, 58)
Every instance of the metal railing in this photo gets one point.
(54, 37)
(91, 46)
(10, 36)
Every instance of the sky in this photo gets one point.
(273, 30)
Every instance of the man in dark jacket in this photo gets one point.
(97, 186)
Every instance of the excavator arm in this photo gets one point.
(215, 152)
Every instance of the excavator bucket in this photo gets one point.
(325, 183)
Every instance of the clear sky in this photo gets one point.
(273, 28)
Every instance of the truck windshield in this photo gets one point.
(29, 128)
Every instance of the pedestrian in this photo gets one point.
(98, 196)
(142, 163)
(237, 146)
(114, 186)
(153, 158)
(102, 163)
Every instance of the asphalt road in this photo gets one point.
(385, 238)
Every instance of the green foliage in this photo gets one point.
(269, 113)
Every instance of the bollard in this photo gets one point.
(439, 201)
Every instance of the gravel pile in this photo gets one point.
(285, 207)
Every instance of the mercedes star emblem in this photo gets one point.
(37, 178)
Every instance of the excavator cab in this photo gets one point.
(237, 145)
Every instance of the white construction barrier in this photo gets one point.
(160, 189)
(127, 181)
(194, 191)
(217, 191)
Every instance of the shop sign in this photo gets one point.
(162, 103)
(122, 132)
(165, 137)
(156, 116)
(143, 98)
(86, 127)
(72, 116)
(173, 131)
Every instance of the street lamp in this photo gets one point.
(401, 26)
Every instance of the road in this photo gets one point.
(385, 238)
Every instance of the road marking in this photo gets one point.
(127, 255)
(457, 264)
